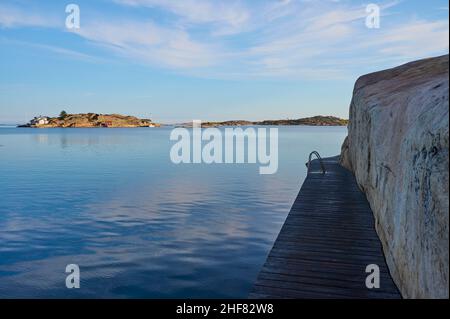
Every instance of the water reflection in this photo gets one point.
(70, 137)
(112, 202)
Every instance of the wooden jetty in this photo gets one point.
(326, 243)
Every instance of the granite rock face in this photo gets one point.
(398, 149)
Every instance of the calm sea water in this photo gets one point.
(111, 201)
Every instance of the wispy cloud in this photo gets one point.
(418, 38)
(221, 14)
(57, 50)
(267, 38)
(150, 43)
(13, 17)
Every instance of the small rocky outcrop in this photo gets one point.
(398, 149)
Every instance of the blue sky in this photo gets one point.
(197, 59)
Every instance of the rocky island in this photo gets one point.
(89, 120)
(311, 121)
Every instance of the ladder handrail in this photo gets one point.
(320, 161)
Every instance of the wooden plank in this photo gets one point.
(326, 243)
(327, 285)
(307, 269)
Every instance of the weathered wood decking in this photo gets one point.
(326, 243)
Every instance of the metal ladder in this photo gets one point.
(322, 166)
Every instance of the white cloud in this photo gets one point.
(417, 38)
(277, 38)
(65, 52)
(56, 50)
(13, 17)
(149, 43)
(225, 14)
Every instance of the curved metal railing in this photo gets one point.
(322, 166)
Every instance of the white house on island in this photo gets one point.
(39, 120)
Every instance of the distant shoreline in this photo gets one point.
(307, 121)
(93, 120)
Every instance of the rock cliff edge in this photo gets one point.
(397, 147)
